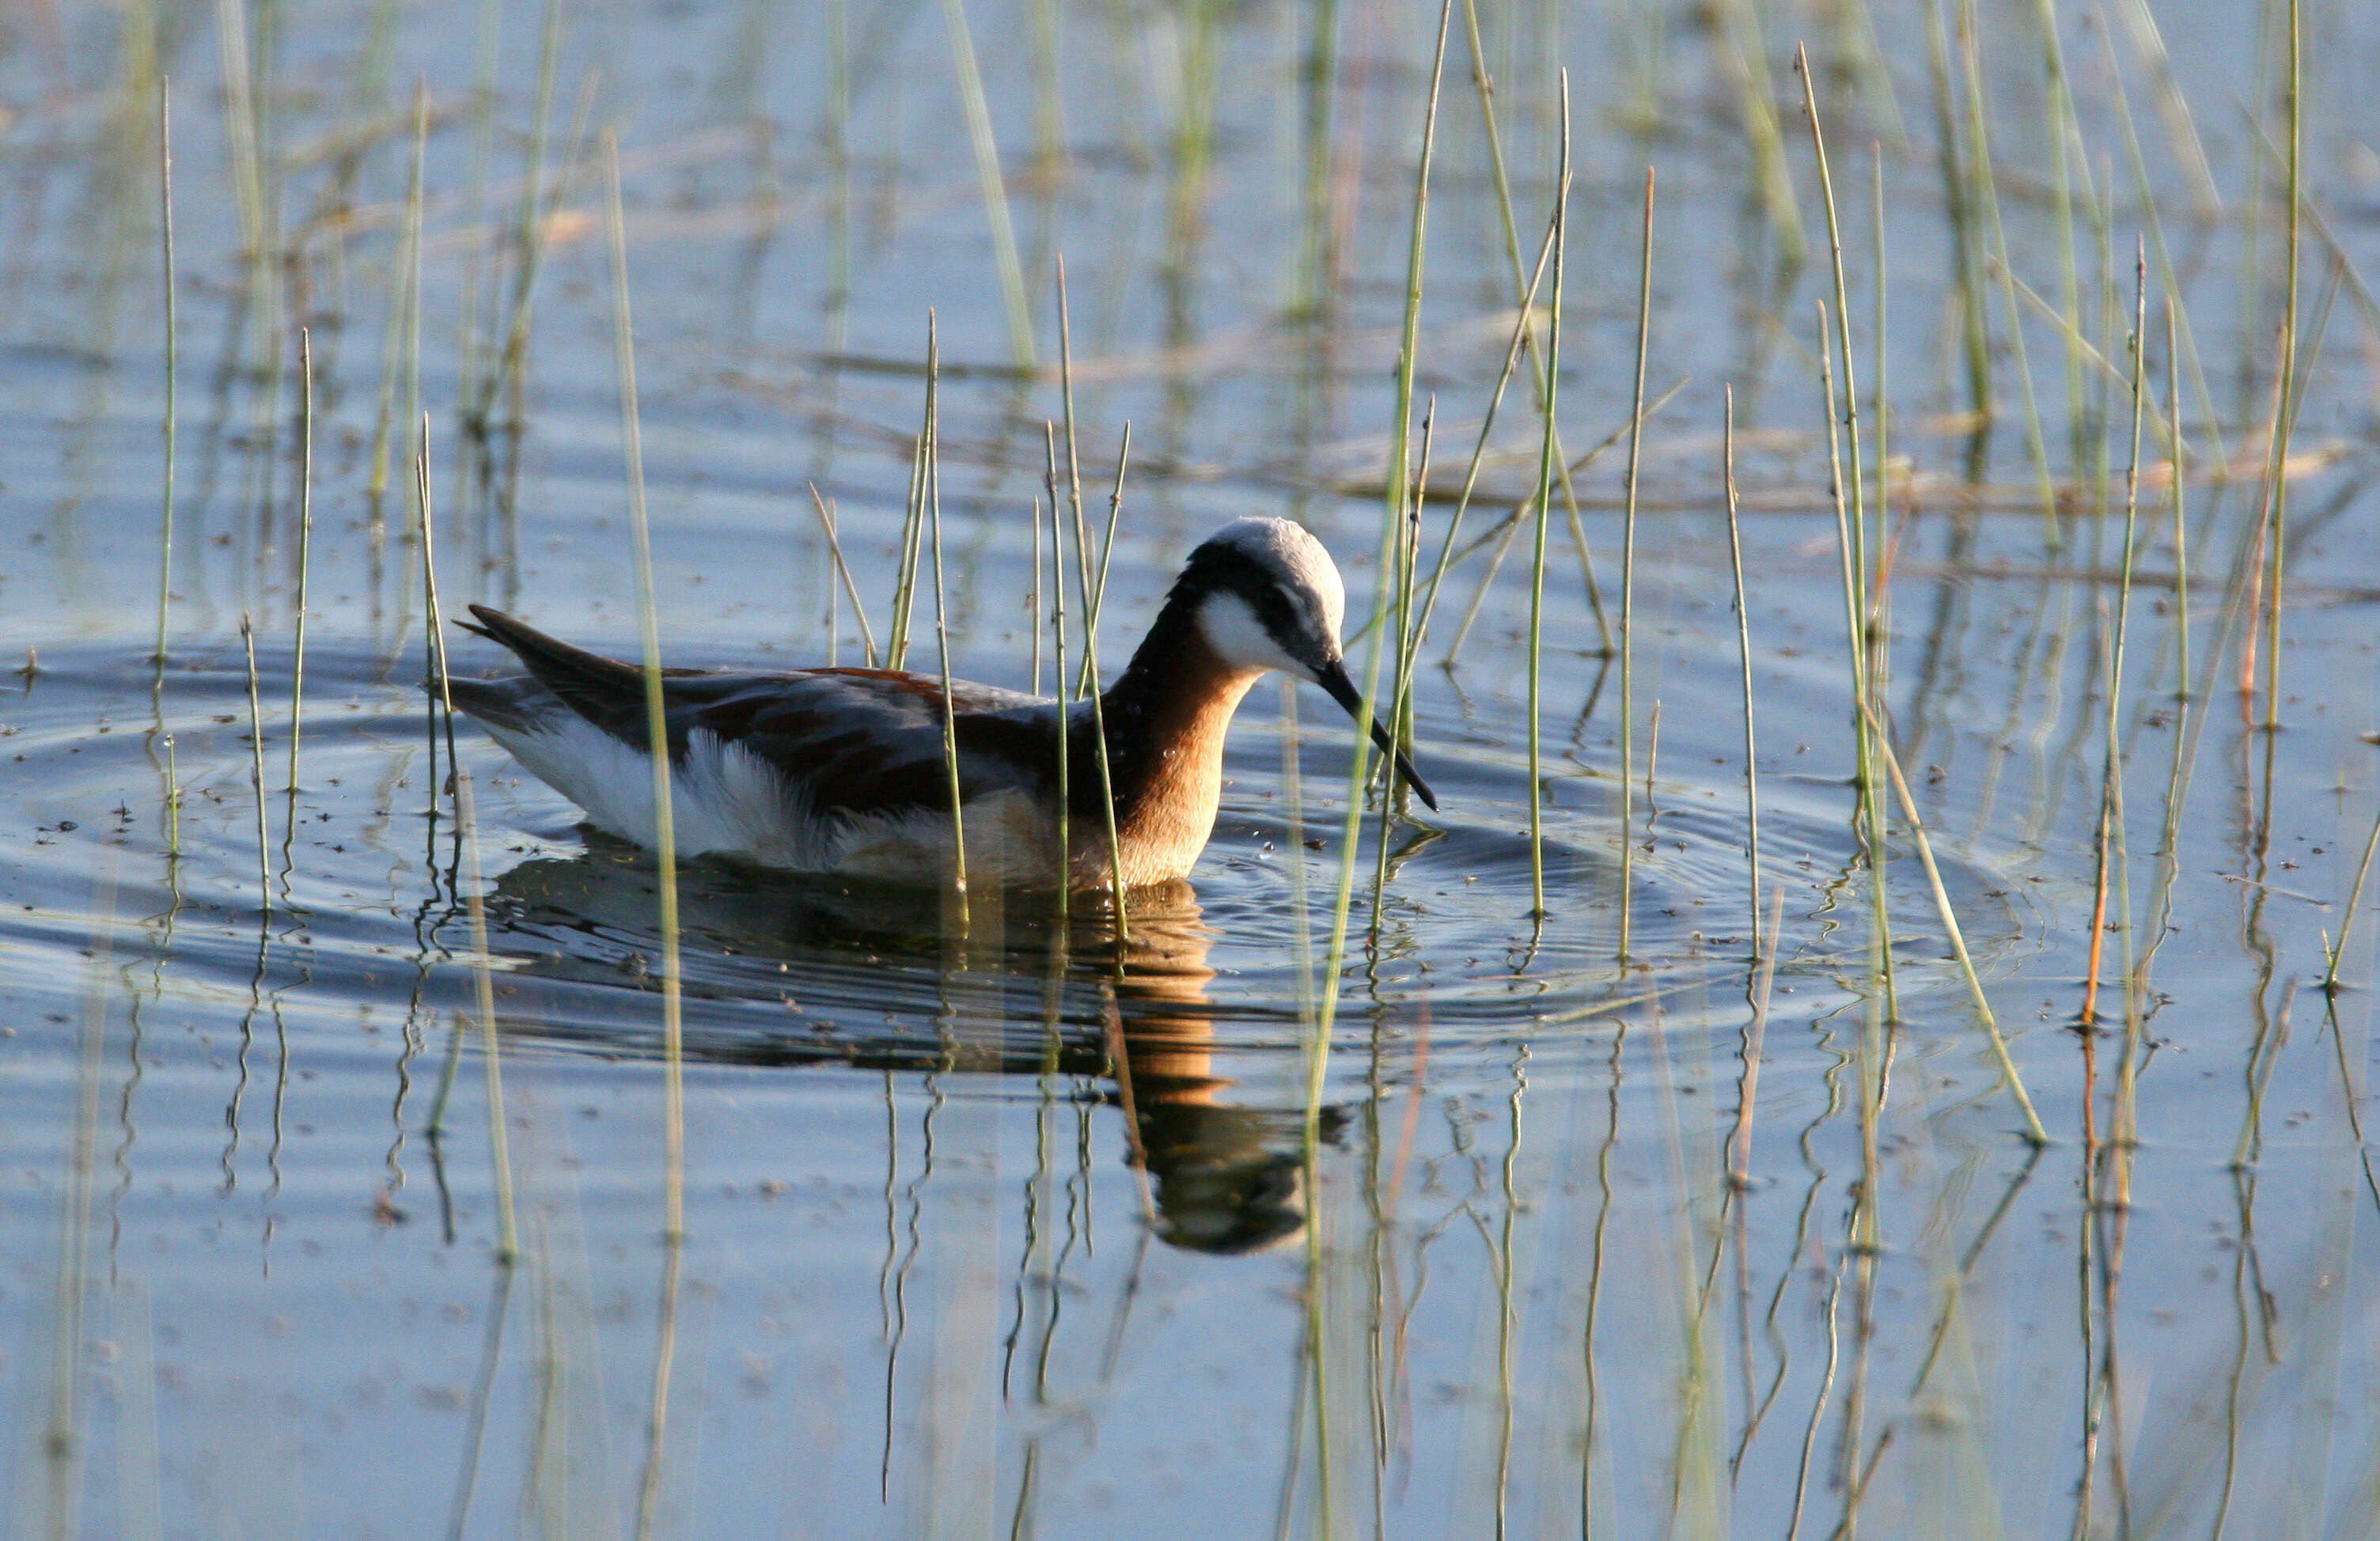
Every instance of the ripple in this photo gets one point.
(364, 890)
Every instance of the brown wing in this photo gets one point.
(866, 741)
(857, 741)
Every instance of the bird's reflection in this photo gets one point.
(872, 976)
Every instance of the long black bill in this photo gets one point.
(1332, 678)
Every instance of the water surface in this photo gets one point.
(1014, 1225)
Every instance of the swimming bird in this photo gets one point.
(844, 770)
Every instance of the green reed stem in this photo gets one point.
(1408, 575)
(1351, 829)
(1099, 730)
(2110, 832)
(402, 339)
(1400, 502)
(941, 617)
(1503, 531)
(305, 539)
(1063, 716)
(2062, 129)
(1033, 605)
(468, 389)
(174, 807)
(2145, 200)
(256, 772)
(842, 570)
(1099, 588)
(244, 142)
(2354, 899)
(2174, 493)
(1745, 53)
(664, 850)
(1446, 555)
(1854, 534)
(1089, 682)
(1049, 125)
(2033, 1131)
(905, 572)
(2371, 846)
(1400, 724)
(1545, 505)
(656, 708)
(173, 369)
(1988, 194)
(2104, 370)
(1958, 198)
(1879, 620)
(1547, 454)
(1628, 583)
(433, 642)
(1524, 293)
(1743, 639)
(988, 173)
(1867, 817)
(529, 236)
(1090, 626)
(1116, 518)
(2275, 554)
(1847, 406)
(305, 564)
(474, 902)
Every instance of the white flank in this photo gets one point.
(727, 801)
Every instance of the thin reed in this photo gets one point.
(401, 323)
(1627, 898)
(1062, 709)
(1090, 685)
(2109, 842)
(1392, 525)
(992, 186)
(1751, 1266)
(256, 770)
(1549, 396)
(466, 835)
(657, 742)
(305, 546)
(1743, 644)
(1856, 543)
(2277, 485)
(173, 366)
(843, 571)
(941, 622)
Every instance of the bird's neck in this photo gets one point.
(1166, 717)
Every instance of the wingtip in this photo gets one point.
(487, 622)
(484, 624)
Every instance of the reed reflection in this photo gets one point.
(782, 970)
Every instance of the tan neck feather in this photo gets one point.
(1167, 726)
